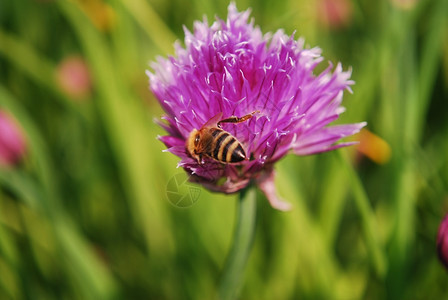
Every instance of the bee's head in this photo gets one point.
(193, 142)
(197, 138)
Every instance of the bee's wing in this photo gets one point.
(213, 122)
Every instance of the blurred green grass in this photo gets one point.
(85, 215)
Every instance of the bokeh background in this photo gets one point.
(84, 209)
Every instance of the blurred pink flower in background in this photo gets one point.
(334, 14)
(442, 241)
(73, 77)
(12, 140)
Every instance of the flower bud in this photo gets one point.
(73, 77)
(12, 141)
(442, 241)
(334, 14)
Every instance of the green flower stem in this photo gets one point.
(233, 273)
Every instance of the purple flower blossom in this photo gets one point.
(12, 141)
(442, 241)
(231, 68)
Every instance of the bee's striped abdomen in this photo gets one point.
(226, 148)
(235, 152)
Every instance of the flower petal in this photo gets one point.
(266, 183)
(324, 139)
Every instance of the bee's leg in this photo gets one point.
(234, 119)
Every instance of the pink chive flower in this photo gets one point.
(442, 241)
(334, 14)
(73, 77)
(12, 141)
(231, 68)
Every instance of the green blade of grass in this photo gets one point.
(24, 57)
(431, 55)
(9, 264)
(414, 98)
(128, 131)
(152, 24)
(23, 186)
(33, 64)
(99, 283)
(333, 199)
(317, 270)
(368, 220)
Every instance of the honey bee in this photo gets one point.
(214, 142)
